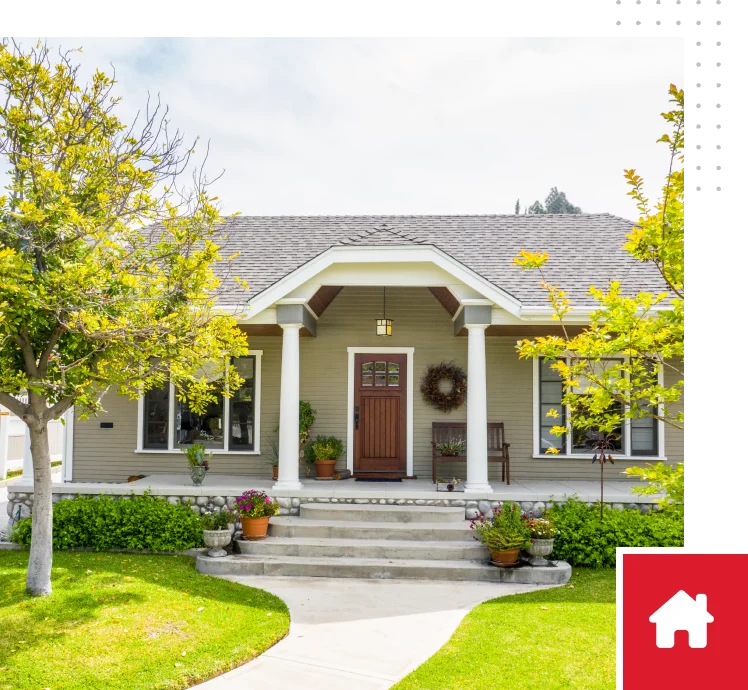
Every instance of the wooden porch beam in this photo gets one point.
(446, 299)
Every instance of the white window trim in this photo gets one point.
(257, 354)
(409, 351)
(538, 455)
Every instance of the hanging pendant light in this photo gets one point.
(384, 325)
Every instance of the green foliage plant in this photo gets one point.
(307, 415)
(451, 447)
(197, 456)
(585, 540)
(507, 529)
(324, 448)
(128, 522)
(217, 520)
(661, 478)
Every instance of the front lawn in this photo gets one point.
(546, 640)
(128, 621)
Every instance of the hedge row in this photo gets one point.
(134, 522)
(584, 539)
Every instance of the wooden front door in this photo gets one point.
(380, 415)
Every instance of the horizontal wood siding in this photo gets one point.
(419, 321)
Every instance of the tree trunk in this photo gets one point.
(39, 575)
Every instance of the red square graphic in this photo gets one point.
(684, 620)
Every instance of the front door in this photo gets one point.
(379, 415)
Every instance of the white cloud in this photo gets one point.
(309, 126)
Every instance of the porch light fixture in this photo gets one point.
(384, 325)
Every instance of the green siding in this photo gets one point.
(419, 322)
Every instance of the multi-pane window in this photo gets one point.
(226, 424)
(635, 436)
(380, 374)
(156, 418)
(581, 439)
(551, 394)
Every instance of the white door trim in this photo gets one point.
(409, 351)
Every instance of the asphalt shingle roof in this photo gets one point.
(584, 249)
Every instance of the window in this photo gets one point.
(380, 374)
(551, 393)
(638, 437)
(227, 425)
(580, 438)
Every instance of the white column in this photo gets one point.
(28, 463)
(288, 430)
(477, 411)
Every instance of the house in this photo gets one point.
(318, 285)
(681, 612)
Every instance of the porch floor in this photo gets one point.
(228, 485)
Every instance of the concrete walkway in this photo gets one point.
(357, 634)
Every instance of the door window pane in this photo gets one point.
(156, 418)
(242, 407)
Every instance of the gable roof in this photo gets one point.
(681, 605)
(584, 249)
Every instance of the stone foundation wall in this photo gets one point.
(21, 504)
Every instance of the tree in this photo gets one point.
(109, 263)
(647, 328)
(516, 208)
(555, 202)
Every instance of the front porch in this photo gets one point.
(351, 491)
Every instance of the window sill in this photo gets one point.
(644, 458)
(214, 451)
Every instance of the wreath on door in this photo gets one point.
(454, 396)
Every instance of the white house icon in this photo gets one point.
(680, 612)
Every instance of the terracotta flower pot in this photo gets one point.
(325, 468)
(255, 528)
(275, 472)
(503, 558)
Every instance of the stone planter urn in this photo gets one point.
(197, 474)
(216, 539)
(538, 549)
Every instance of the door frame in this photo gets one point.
(409, 351)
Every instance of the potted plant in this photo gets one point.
(217, 531)
(324, 452)
(255, 509)
(450, 485)
(199, 462)
(504, 535)
(307, 415)
(542, 532)
(272, 442)
(452, 447)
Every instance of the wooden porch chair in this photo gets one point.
(498, 449)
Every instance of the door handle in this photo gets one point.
(355, 420)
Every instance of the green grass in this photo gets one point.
(122, 621)
(550, 639)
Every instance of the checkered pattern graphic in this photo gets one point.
(706, 20)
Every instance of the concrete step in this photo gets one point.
(363, 548)
(380, 513)
(380, 568)
(354, 529)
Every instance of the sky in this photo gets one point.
(407, 126)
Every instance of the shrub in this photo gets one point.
(583, 539)
(132, 522)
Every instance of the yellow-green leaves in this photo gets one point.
(109, 279)
(615, 367)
